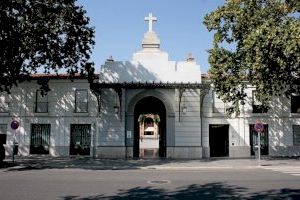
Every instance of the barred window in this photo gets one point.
(81, 101)
(80, 141)
(40, 138)
(296, 134)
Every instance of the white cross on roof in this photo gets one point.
(150, 20)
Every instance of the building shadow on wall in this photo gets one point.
(126, 72)
(216, 190)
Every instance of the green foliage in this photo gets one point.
(45, 36)
(143, 117)
(156, 119)
(256, 42)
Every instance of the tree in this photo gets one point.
(43, 36)
(256, 42)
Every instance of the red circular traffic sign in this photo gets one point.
(14, 124)
(259, 127)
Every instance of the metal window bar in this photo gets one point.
(296, 135)
(80, 139)
(40, 139)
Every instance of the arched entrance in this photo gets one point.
(149, 128)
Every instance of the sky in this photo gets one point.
(120, 28)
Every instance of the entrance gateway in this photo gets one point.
(152, 94)
(219, 140)
(150, 128)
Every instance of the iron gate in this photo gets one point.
(80, 143)
(40, 138)
(264, 140)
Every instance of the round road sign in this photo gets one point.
(14, 124)
(259, 127)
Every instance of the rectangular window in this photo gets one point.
(41, 104)
(256, 105)
(40, 138)
(4, 106)
(3, 128)
(295, 104)
(81, 101)
(296, 134)
(218, 104)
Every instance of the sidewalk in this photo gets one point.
(46, 162)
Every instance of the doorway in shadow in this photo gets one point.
(144, 145)
(219, 140)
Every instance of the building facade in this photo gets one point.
(148, 107)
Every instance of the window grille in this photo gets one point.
(40, 138)
(80, 142)
(296, 135)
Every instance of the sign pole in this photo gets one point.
(14, 125)
(259, 128)
(258, 144)
(13, 153)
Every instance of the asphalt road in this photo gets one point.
(79, 184)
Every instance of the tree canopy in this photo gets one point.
(256, 42)
(43, 36)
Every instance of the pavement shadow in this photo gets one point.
(6, 165)
(217, 190)
(89, 163)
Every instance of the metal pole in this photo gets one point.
(258, 144)
(13, 152)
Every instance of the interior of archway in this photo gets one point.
(150, 128)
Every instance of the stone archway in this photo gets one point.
(150, 102)
(145, 146)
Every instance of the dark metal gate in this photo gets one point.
(40, 138)
(80, 143)
(264, 140)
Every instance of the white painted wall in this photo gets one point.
(108, 128)
(61, 105)
(279, 119)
